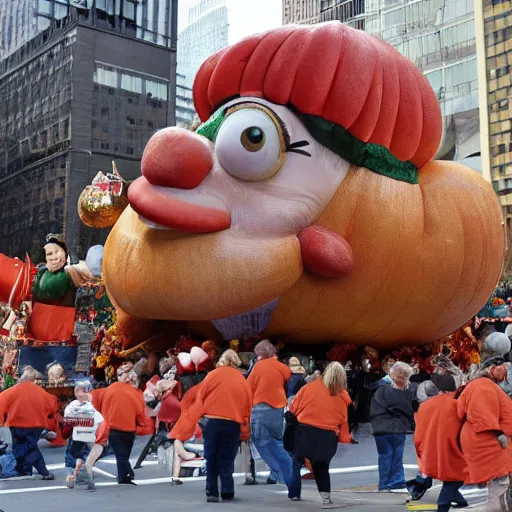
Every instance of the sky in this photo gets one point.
(245, 17)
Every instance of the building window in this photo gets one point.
(501, 149)
(104, 145)
(129, 150)
(104, 129)
(44, 7)
(105, 76)
(130, 120)
(158, 90)
(104, 111)
(131, 83)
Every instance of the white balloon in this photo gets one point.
(198, 355)
(185, 360)
(94, 259)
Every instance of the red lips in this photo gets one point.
(174, 213)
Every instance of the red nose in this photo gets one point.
(175, 157)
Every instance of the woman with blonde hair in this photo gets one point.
(320, 423)
(230, 358)
(392, 418)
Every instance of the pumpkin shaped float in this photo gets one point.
(307, 204)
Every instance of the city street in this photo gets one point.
(354, 479)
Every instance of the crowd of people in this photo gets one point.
(462, 424)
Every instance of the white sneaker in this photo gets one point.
(49, 436)
(400, 491)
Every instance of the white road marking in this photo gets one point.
(101, 472)
(155, 481)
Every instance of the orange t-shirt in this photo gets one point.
(267, 381)
(97, 397)
(122, 406)
(437, 439)
(313, 405)
(224, 394)
(27, 406)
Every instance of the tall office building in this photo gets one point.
(185, 112)
(438, 35)
(206, 32)
(89, 89)
(21, 20)
(301, 11)
(494, 47)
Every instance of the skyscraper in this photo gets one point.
(438, 35)
(207, 32)
(89, 89)
(494, 48)
(185, 111)
(21, 20)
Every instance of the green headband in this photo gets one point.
(375, 157)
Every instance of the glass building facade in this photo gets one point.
(185, 112)
(206, 33)
(148, 20)
(35, 134)
(128, 107)
(437, 35)
(76, 96)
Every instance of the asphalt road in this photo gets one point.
(353, 472)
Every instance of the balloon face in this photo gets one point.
(252, 260)
(307, 206)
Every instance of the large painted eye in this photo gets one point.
(250, 143)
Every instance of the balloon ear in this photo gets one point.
(185, 361)
(198, 356)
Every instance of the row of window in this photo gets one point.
(149, 15)
(130, 81)
(115, 147)
(501, 149)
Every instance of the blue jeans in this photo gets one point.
(26, 451)
(390, 448)
(267, 427)
(221, 439)
(450, 494)
(75, 450)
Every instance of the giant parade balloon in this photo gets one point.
(308, 204)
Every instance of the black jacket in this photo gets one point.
(391, 411)
(297, 380)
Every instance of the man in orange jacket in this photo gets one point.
(27, 407)
(437, 434)
(122, 405)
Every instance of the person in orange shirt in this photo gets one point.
(486, 411)
(267, 381)
(223, 400)
(321, 412)
(27, 407)
(437, 442)
(122, 405)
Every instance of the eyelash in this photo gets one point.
(293, 147)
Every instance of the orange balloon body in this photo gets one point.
(427, 257)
